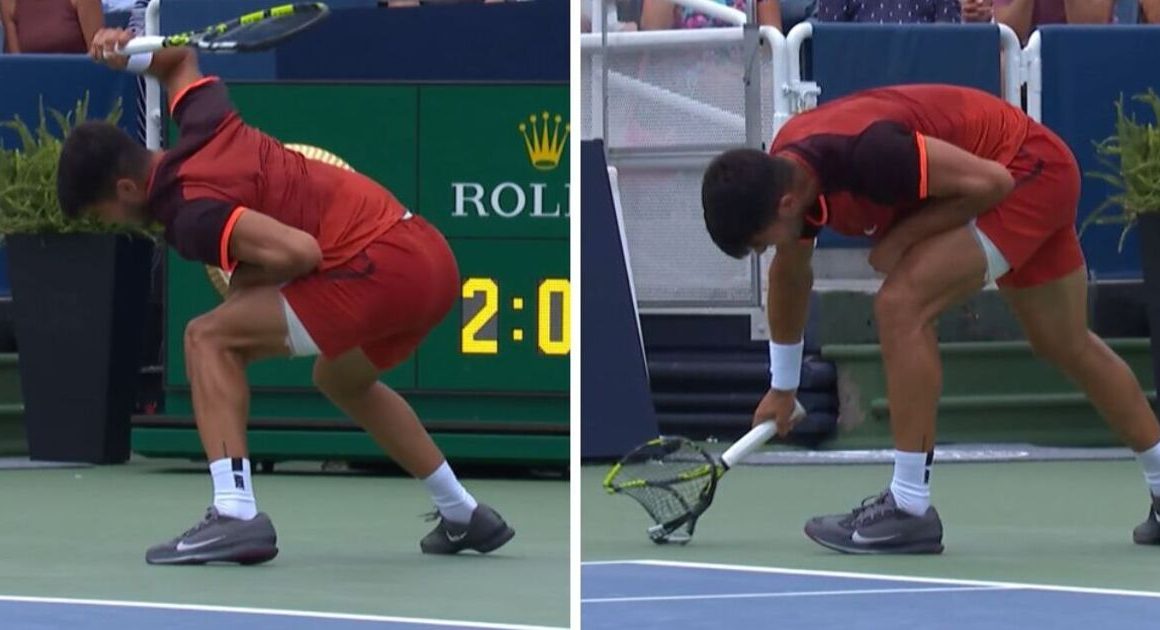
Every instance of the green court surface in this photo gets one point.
(349, 544)
(1060, 523)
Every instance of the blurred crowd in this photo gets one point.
(1023, 16)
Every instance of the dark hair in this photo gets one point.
(740, 193)
(94, 156)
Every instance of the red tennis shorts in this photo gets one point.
(384, 300)
(1034, 227)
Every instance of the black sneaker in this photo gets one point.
(219, 538)
(486, 532)
(878, 526)
(1148, 532)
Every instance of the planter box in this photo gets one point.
(80, 303)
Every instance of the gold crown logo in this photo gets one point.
(544, 147)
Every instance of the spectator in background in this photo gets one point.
(1024, 16)
(622, 15)
(663, 14)
(117, 6)
(1149, 12)
(903, 11)
(50, 26)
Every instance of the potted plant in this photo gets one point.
(80, 291)
(1131, 161)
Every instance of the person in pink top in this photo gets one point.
(1024, 16)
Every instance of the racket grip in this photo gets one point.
(143, 44)
(757, 436)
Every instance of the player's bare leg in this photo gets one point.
(1054, 318)
(219, 345)
(248, 326)
(932, 276)
(351, 383)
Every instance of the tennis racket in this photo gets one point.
(674, 479)
(252, 32)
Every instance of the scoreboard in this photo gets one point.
(488, 165)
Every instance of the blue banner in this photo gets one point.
(1085, 70)
(616, 404)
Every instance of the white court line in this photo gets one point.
(271, 611)
(864, 591)
(884, 577)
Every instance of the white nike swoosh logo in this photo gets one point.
(184, 546)
(456, 537)
(870, 231)
(867, 540)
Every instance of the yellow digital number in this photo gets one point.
(475, 340)
(555, 315)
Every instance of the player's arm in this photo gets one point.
(260, 249)
(791, 279)
(176, 68)
(267, 251)
(958, 187)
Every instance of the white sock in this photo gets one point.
(1150, 461)
(233, 494)
(911, 483)
(452, 500)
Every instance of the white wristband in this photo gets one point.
(785, 365)
(139, 63)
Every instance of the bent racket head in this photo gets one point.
(262, 30)
(673, 479)
(252, 32)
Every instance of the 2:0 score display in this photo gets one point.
(492, 317)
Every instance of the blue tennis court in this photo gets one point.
(37, 613)
(655, 594)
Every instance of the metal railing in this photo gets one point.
(602, 79)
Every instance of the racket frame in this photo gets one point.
(203, 39)
(665, 532)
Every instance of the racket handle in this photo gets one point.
(143, 44)
(757, 436)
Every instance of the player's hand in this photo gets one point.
(106, 42)
(777, 405)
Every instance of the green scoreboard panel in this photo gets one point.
(488, 165)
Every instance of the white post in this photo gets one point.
(804, 94)
(779, 66)
(152, 87)
(1013, 70)
(1033, 76)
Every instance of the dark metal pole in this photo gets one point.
(754, 136)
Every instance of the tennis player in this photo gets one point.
(955, 188)
(324, 262)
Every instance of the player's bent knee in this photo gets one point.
(201, 333)
(896, 307)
